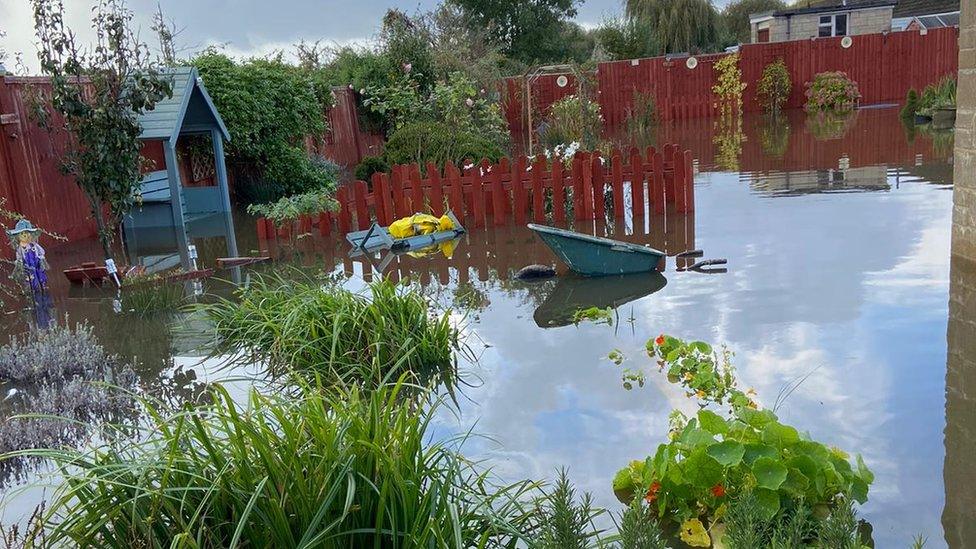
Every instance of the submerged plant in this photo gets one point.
(151, 294)
(328, 467)
(833, 92)
(292, 207)
(317, 327)
(595, 315)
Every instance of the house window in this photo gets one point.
(832, 25)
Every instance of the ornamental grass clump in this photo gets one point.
(832, 91)
(318, 327)
(326, 467)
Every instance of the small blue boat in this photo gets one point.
(596, 256)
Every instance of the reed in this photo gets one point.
(320, 328)
(332, 467)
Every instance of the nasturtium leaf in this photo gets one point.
(756, 418)
(803, 464)
(862, 470)
(769, 473)
(712, 422)
(729, 453)
(816, 451)
(701, 470)
(768, 501)
(841, 465)
(701, 347)
(660, 462)
(859, 490)
(756, 451)
(796, 482)
(779, 435)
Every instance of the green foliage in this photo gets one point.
(774, 136)
(292, 207)
(642, 118)
(406, 44)
(713, 457)
(824, 125)
(729, 85)
(97, 94)
(832, 91)
(439, 143)
(529, 31)
(270, 108)
(317, 467)
(735, 16)
(639, 528)
(911, 107)
(595, 315)
(573, 119)
(774, 87)
(370, 165)
(941, 95)
(309, 328)
(564, 522)
(626, 39)
(679, 25)
(148, 295)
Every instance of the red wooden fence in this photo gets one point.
(517, 191)
(885, 66)
(346, 142)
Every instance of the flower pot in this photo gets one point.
(944, 118)
(922, 118)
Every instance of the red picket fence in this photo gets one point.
(885, 66)
(517, 191)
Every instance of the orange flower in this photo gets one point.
(718, 490)
(660, 340)
(652, 492)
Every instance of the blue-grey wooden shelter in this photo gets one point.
(165, 202)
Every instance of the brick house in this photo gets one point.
(823, 19)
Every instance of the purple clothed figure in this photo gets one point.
(32, 256)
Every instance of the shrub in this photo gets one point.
(832, 91)
(270, 107)
(911, 106)
(292, 207)
(626, 39)
(940, 95)
(324, 467)
(642, 117)
(712, 458)
(151, 294)
(774, 87)
(573, 119)
(437, 142)
(729, 85)
(370, 165)
(303, 326)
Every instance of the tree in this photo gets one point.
(98, 94)
(679, 25)
(526, 30)
(627, 39)
(736, 14)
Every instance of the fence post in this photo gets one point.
(435, 193)
(657, 183)
(399, 195)
(637, 183)
(518, 190)
(690, 182)
(416, 190)
(262, 229)
(478, 195)
(455, 195)
(362, 210)
(325, 223)
(586, 188)
(558, 191)
(617, 184)
(497, 195)
(538, 190)
(599, 186)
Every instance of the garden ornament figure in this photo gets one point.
(30, 266)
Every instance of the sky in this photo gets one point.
(245, 27)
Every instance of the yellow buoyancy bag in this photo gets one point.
(418, 224)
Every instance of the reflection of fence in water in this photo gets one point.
(490, 252)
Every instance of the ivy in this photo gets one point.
(270, 109)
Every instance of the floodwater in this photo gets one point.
(837, 236)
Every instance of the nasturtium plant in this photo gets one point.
(715, 456)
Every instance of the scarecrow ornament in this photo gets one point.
(30, 265)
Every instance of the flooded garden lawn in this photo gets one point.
(837, 243)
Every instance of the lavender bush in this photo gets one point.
(60, 384)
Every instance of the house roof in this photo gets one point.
(818, 6)
(914, 8)
(190, 107)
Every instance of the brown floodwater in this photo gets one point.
(837, 235)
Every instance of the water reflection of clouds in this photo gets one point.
(815, 281)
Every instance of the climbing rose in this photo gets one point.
(407, 67)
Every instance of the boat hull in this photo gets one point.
(595, 256)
